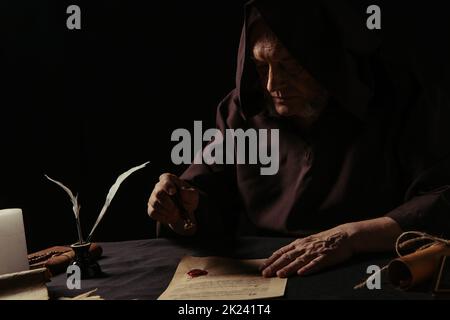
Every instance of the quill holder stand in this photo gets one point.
(88, 267)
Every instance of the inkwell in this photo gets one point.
(89, 268)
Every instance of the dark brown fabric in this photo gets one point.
(381, 148)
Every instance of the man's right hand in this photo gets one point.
(162, 208)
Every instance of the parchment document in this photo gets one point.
(25, 285)
(226, 279)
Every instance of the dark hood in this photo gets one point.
(328, 38)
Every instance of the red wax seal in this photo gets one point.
(194, 273)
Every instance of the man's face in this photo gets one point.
(294, 92)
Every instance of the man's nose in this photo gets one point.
(274, 79)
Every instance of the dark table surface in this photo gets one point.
(143, 269)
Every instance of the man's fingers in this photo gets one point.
(156, 210)
(274, 257)
(164, 199)
(314, 265)
(168, 183)
(158, 215)
(282, 261)
(294, 266)
(173, 181)
(163, 207)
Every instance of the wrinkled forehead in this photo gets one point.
(264, 43)
(259, 33)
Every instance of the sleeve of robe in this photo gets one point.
(424, 153)
(219, 210)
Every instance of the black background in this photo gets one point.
(85, 105)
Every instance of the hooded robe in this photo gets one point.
(380, 148)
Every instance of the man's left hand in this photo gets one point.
(310, 254)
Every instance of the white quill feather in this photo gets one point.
(112, 193)
(75, 205)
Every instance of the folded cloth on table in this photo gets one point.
(57, 259)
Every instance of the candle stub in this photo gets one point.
(13, 254)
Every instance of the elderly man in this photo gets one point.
(361, 158)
